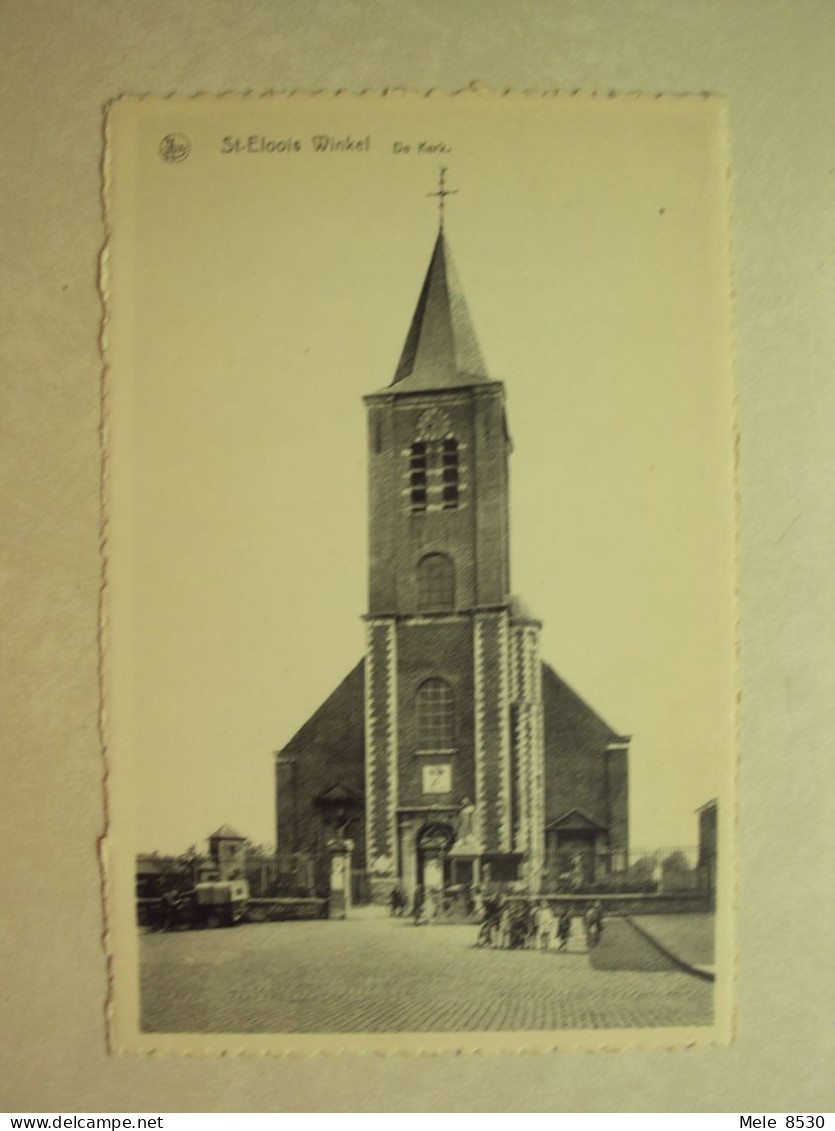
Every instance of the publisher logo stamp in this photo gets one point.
(174, 148)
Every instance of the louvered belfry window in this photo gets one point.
(449, 457)
(417, 476)
(434, 475)
(435, 706)
(435, 583)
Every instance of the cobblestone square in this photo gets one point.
(375, 974)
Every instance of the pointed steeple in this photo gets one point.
(441, 351)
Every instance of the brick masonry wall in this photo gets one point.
(281, 909)
(491, 478)
(436, 649)
(492, 729)
(382, 501)
(575, 752)
(329, 748)
(380, 738)
(475, 535)
(618, 791)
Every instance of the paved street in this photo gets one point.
(376, 974)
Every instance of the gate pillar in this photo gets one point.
(339, 902)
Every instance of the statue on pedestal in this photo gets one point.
(467, 838)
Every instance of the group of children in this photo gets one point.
(532, 926)
(523, 925)
(505, 923)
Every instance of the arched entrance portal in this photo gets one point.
(433, 844)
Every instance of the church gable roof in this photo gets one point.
(579, 747)
(577, 820)
(335, 732)
(441, 350)
(570, 715)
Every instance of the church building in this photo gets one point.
(451, 753)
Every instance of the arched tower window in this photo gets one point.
(449, 456)
(435, 708)
(436, 582)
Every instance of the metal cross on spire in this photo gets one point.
(442, 193)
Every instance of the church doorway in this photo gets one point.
(433, 865)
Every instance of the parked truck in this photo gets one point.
(220, 903)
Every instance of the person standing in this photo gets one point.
(546, 925)
(504, 926)
(528, 925)
(430, 906)
(490, 920)
(479, 910)
(536, 919)
(564, 928)
(593, 923)
(417, 904)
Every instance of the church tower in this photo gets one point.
(451, 753)
(453, 710)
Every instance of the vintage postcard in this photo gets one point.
(418, 645)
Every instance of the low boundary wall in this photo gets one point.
(271, 910)
(663, 903)
(283, 908)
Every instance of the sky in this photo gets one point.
(257, 293)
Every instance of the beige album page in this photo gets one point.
(420, 571)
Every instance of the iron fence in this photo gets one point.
(668, 870)
(303, 874)
(293, 874)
